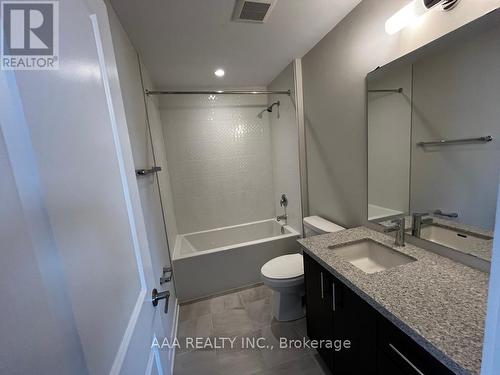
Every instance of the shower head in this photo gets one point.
(270, 109)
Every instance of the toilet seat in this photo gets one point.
(284, 267)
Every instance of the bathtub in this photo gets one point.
(217, 260)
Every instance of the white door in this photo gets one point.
(148, 150)
(76, 270)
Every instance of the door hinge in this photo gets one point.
(168, 273)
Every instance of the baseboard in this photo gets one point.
(229, 291)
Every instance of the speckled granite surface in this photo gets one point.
(482, 248)
(441, 304)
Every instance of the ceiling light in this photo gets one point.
(220, 73)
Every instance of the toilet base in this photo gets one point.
(288, 306)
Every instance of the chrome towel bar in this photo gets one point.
(399, 90)
(445, 142)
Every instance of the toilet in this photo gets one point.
(284, 275)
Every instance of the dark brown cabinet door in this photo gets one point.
(354, 323)
(318, 304)
(397, 351)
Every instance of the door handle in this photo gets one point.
(322, 290)
(165, 279)
(157, 296)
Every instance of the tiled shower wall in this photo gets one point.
(219, 156)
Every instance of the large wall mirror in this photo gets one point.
(434, 139)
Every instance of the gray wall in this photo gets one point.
(334, 74)
(456, 93)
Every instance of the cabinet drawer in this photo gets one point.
(396, 350)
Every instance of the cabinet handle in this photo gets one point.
(406, 360)
(322, 291)
(333, 296)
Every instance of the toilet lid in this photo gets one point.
(284, 267)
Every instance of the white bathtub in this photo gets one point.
(218, 260)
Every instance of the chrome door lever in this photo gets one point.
(157, 296)
(165, 279)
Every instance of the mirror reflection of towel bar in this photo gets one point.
(445, 142)
(400, 90)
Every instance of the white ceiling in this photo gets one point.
(182, 42)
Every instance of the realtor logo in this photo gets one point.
(30, 35)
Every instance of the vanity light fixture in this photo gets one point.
(411, 13)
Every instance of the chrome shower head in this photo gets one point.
(270, 109)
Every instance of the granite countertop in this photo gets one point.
(440, 303)
(482, 248)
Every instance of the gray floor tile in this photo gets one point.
(197, 327)
(196, 362)
(300, 327)
(304, 365)
(227, 302)
(240, 362)
(231, 323)
(194, 310)
(273, 335)
(255, 294)
(245, 314)
(260, 313)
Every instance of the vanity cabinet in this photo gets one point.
(336, 313)
(399, 354)
(319, 300)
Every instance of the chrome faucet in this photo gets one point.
(418, 221)
(284, 204)
(399, 228)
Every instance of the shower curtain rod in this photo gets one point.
(216, 92)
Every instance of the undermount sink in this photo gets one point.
(452, 238)
(370, 256)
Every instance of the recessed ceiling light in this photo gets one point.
(220, 73)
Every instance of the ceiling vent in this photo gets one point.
(256, 11)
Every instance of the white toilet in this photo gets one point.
(285, 274)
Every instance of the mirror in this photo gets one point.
(434, 139)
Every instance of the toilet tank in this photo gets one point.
(315, 225)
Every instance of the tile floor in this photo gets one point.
(244, 314)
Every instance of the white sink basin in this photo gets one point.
(451, 238)
(370, 256)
